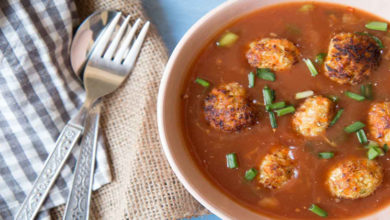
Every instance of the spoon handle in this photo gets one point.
(52, 167)
(77, 205)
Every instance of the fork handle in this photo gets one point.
(77, 205)
(56, 160)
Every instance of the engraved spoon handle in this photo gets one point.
(56, 160)
(77, 205)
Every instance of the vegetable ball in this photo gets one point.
(351, 58)
(313, 116)
(273, 53)
(355, 178)
(277, 168)
(379, 122)
(227, 108)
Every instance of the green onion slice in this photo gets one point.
(336, 117)
(202, 82)
(307, 8)
(231, 160)
(268, 96)
(251, 174)
(318, 211)
(333, 98)
(366, 91)
(354, 96)
(377, 26)
(354, 127)
(227, 39)
(320, 58)
(251, 79)
(266, 74)
(311, 67)
(285, 111)
(385, 148)
(272, 120)
(374, 152)
(293, 29)
(304, 94)
(372, 144)
(326, 155)
(361, 136)
(273, 106)
(375, 38)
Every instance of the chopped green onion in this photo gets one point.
(361, 136)
(377, 26)
(273, 106)
(336, 117)
(304, 94)
(227, 40)
(293, 29)
(326, 155)
(375, 38)
(374, 152)
(307, 8)
(266, 74)
(318, 211)
(385, 148)
(231, 160)
(366, 91)
(333, 98)
(272, 119)
(354, 127)
(320, 58)
(267, 95)
(202, 82)
(251, 174)
(354, 96)
(372, 144)
(311, 67)
(285, 111)
(251, 79)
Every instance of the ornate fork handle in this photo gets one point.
(56, 160)
(77, 206)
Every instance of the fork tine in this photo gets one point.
(118, 36)
(126, 42)
(136, 48)
(103, 40)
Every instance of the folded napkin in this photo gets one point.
(38, 95)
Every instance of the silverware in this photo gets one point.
(105, 71)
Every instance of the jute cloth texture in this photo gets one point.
(143, 186)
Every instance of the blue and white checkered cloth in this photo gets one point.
(38, 95)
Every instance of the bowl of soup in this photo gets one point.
(281, 109)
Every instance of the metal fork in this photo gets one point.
(104, 72)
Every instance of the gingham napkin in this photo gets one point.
(38, 95)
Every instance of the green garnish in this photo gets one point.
(377, 26)
(361, 136)
(318, 211)
(311, 67)
(292, 28)
(272, 119)
(354, 96)
(266, 74)
(268, 96)
(273, 106)
(251, 79)
(307, 8)
(285, 111)
(336, 117)
(333, 98)
(374, 152)
(375, 38)
(251, 174)
(320, 58)
(304, 94)
(231, 160)
(326, 155)
(366, 91)
(202, 82)
(227, 39)
(385, 148)
(354, 127)
(372, 144)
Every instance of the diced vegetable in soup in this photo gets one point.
(287, 111)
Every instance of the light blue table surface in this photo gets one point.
(172, 19)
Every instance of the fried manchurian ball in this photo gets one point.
(313, 116)
(351, 58)
(379, 122)
(273, 53)
(277, 168)
(355, 178)
(227, 108)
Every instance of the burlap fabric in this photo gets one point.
(144, 186)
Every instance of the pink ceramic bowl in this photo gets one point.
(169, 98)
